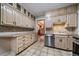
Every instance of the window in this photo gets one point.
(18, 7)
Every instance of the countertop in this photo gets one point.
(14, 34)
(60, 33)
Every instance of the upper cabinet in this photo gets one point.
(62, 11)
(72, 16)
(72, 20)
(66, 15)
(18, 18)
(13, 14)
(7, 15)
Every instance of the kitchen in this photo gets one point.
(51, 31)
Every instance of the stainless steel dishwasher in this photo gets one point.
(49, 40)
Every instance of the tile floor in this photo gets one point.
(38, 49)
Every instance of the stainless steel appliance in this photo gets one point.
(49, 40)
(76, 48)
(76, 45)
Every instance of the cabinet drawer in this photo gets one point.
(26, 45)
(20, 49)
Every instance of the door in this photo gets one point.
(8, 16)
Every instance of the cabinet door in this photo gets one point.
(72, 20)
(72, 9)
(63, 42)
(18, 18)
(70, 43)
(24, 21)
(8, 17)
(63, 18)
(57, 42)
(62, 11)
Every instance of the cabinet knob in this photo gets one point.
(60, 40)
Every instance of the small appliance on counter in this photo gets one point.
(49, 40)
(76, 45)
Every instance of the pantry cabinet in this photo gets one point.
(18, 18)
(59, 19)
(7, 15)
(72, 20)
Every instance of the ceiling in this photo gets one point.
(39, 9)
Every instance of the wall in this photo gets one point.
(78, 21)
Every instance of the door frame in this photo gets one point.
(44, 25)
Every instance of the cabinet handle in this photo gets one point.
(14, 23)
(60, 40)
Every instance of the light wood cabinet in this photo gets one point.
(7, 15)
(62, 11)
(54, 13)
(18, 18)
(61, 42)
(72, 9)
(20, 43)
(64, 42)
(72, 20)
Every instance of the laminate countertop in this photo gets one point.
(14, 34)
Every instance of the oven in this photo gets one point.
(76, 48)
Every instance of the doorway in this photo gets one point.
(41, 30)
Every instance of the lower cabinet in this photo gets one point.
(64, 42)
(70, 43)
(19, 43)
